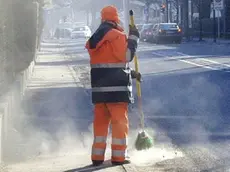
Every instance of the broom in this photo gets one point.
(143, 140)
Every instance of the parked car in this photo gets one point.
(81, 32)
(166, 32)
(139, 26)
(62, 33)
(146, 32)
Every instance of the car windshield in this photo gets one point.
(148, 26)
(79, 29)
(168, 26)
(139, 27)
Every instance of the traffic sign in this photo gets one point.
(218, 4)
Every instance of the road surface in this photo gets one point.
(186, 104)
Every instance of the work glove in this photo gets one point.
(134, 31)
(136, 75)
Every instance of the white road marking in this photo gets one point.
(220, 134)
(215, 62)
(196, 64)
(174, 117)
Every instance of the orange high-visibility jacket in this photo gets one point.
(110, 51)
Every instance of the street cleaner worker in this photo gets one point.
(111, 80)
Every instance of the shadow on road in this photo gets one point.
(50, 108)
(90, 168)
(53, 120)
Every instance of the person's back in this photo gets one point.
(105, 53)
(110, 52)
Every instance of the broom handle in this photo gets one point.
(138, 84)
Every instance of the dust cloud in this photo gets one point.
(180, 110)
(31, 137)
(162, 150)
(31, 140)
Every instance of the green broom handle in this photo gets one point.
(138, 85)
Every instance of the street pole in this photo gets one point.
(177, 11)
(224, 18)
(170, 11)
(179, 14)
(190, 17)
(126, 4)
(218, 20)
(200, 22)
(214, 24)
(167, 11)
(186, 19)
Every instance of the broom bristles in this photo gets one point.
(143, 141)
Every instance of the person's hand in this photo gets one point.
(134, 31)
(136, 75)
(139, 77)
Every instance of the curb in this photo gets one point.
(210, 41)
(129, 168)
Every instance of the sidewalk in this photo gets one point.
(56, 126)
(211, 41)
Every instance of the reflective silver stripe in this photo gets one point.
(99, 139)
(128, 55)
(112, 89)
(96, 151)
(119, 153)
(109, 65)
(119, 141)
(133, 37)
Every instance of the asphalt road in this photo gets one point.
(185, 94)
(186, 97)
(186, 103)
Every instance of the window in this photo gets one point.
(168, 26)
(148, 26)
(79, 29)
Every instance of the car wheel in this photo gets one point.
(178, 41)
(147, 39)
(151, 40)
(157, 41)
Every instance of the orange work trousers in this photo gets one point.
(117, 115)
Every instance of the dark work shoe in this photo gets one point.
(97, 162)
(121, 163)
